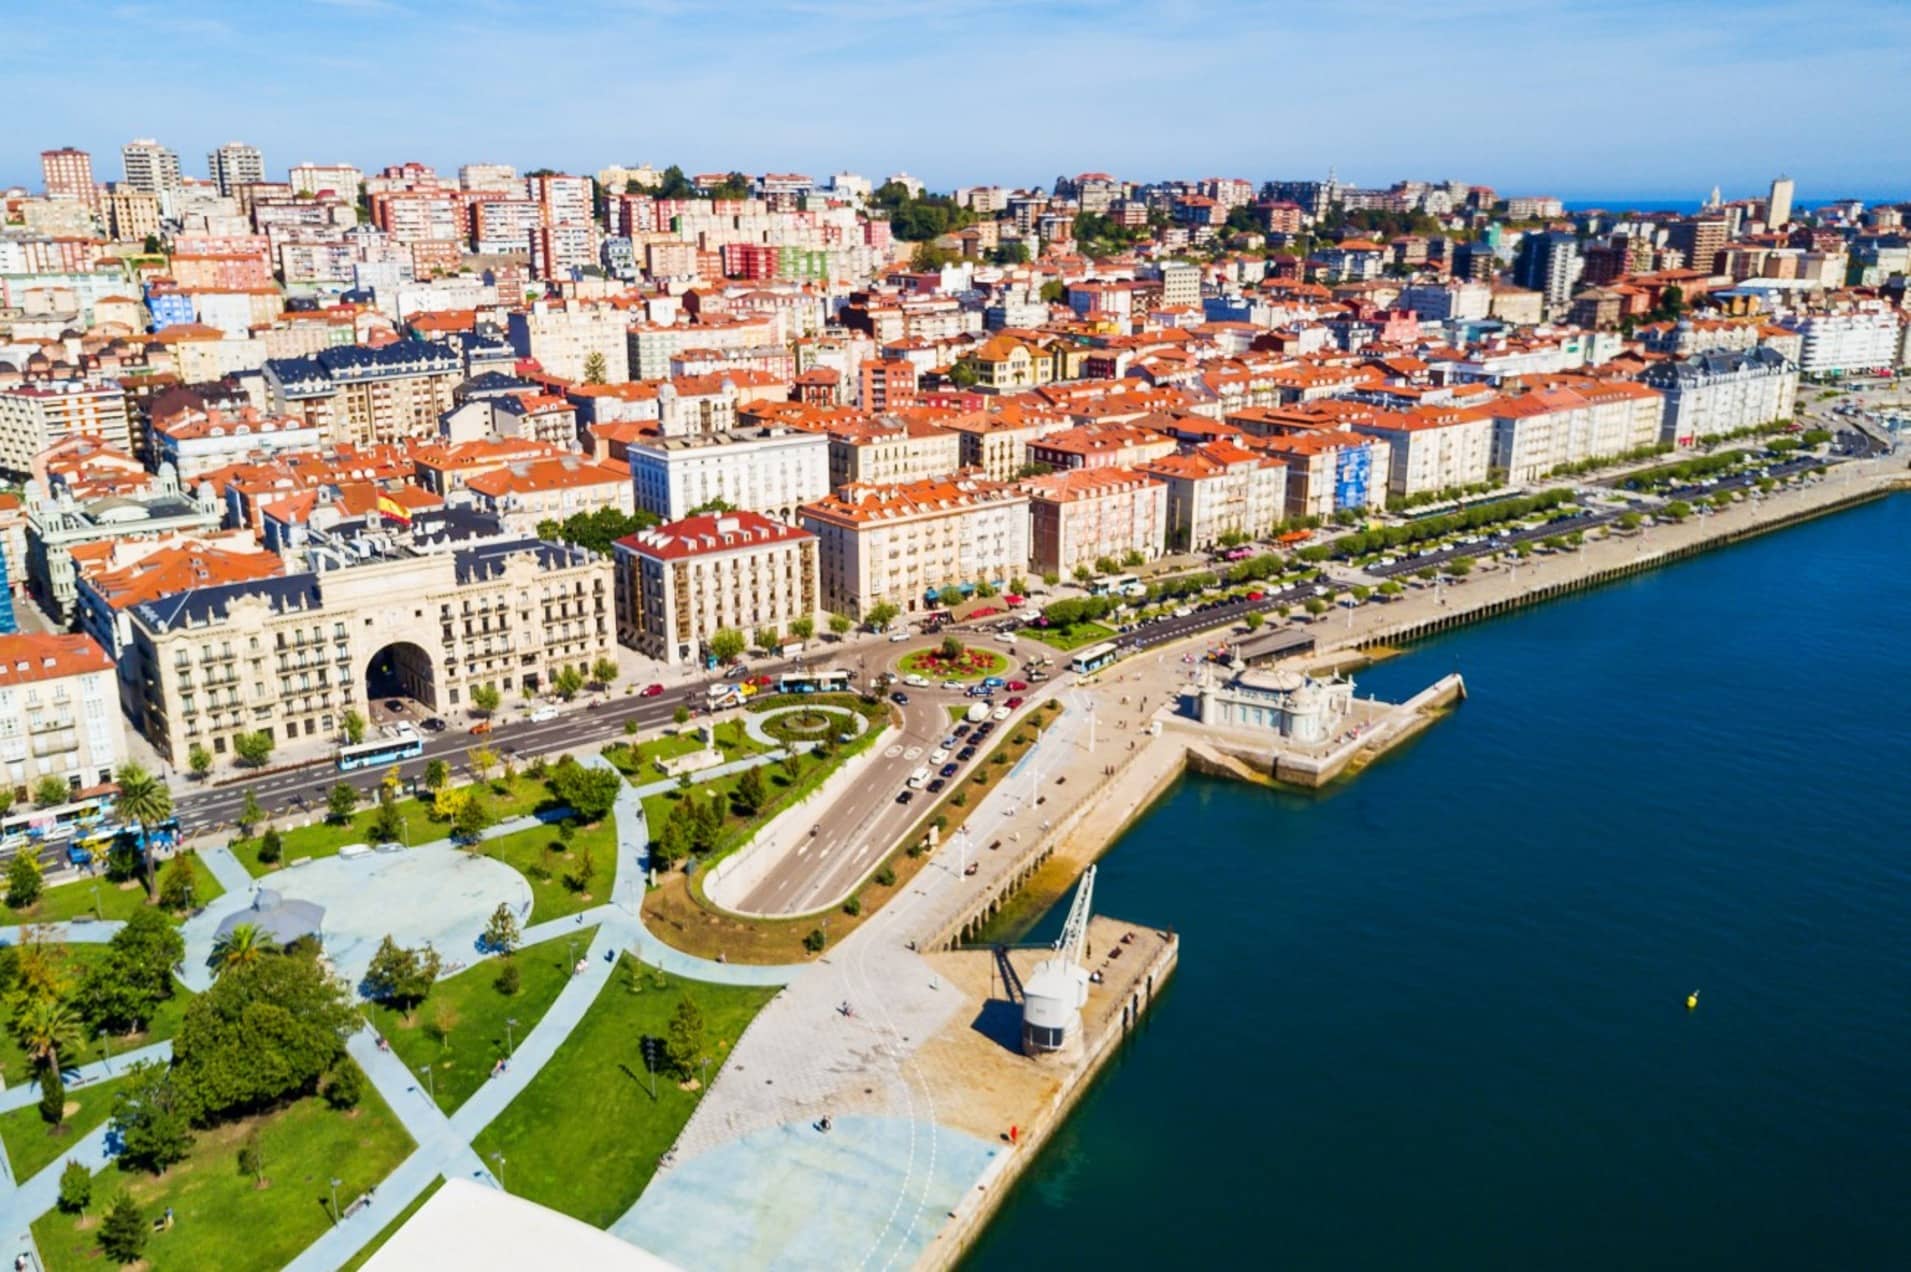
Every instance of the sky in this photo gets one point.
(1575, 98)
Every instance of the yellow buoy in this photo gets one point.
(1692, 1000)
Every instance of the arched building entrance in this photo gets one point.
(401, 670)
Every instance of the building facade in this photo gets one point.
(773, 470)
(679, 584)
(359, 395)
(1077, 518)
(34, 417)
(1722, 392)
(904, 544)
(59, 712)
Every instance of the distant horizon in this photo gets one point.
(937, 86)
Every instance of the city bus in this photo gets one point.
(1112, 584)
(401, 742)
(813, 682)
(1094, 658)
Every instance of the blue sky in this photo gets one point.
(1579, 98)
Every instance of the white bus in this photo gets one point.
(1112, 584)
(402, 743)
(1092, 659)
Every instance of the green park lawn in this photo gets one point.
(221, 1220)
(472, 1013)
(359, 1260)
(75, 900)
(585, 1136)
(16, 1068)
(1074, 636)
(32, 1145)
(810, 725)
(518, 797)
(554, 894)
(638, 762)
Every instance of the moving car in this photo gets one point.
(434, 725)
(651, 691)
(482, 726)
(916, 681)
(1016, 686)
(903, 797)
(900, 698)
(1013, 703)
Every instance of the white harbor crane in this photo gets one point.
(1052, 1000)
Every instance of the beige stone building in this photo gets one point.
(1433, 448)
(35, 416)
(678, 584)
(1080, 516)
(523, 494)
(901, 544)
(59, 712)
(361, 395)
(563, 338)
(289, 655)
(890, 449)
(1219, 488)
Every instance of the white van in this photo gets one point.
(543, 713)
(919, 778)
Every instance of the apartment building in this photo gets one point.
(367, 619)
(1219, 488)
(570, 341)
(59, 712)
(196, 441)
(890, 448)
(1433, 448)
(995, 443)
(1536, 433)
(903, 544)
(1447, 300)
(1078, 517)
(1722, 392)
(61, 518)
(67, 173)
(1850, 340)
(33, 417)
(234, 166)
(1331, 471)
(1099, 446)
(360, 395)
(680, 583)
(772, 470)
(523, 495)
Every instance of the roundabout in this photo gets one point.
(969, 663)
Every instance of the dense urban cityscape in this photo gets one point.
(542, 708)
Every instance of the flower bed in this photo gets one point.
(971, 664)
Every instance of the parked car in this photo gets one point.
(948, 770)
(903, 797)
(1000, 713)
(966, 754)
(1016, 686)
(651, 691)
(935, 785)
(1013, 703)
(900, 698)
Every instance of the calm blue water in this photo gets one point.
(1436, 1018)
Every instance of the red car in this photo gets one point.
(651, 691)
(763, 682)
(1012, 601)
(987, 611)
(1013, 703)
(1017, 686)
(1255, 596)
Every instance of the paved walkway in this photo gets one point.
(22, 1094)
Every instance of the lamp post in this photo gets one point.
(510, 1046)
(499, 1159)
(335, 1215)
(431, 1083)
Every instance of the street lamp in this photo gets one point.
(335, 1184)
(510, 1047)
(431, 1083)
(499, 1159)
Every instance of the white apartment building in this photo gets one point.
(233, 165)
(1079, 516)
(59, 712)
(1723, 392)
(35, 416)
(1219, 488)
(773, 470)
(1535, 433)
(1854, 340)
(680, 583)
(341, 179)
(1433, 448)
(1453, 299)
(520, 495)
(902, 544)
(563, 337)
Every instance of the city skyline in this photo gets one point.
(574, 85)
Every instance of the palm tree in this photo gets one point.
(45, 1027)
(245, 943)
(147, 801)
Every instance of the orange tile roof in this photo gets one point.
(34, 656)
(180, 569)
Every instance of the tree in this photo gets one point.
(252, 1158)
(199, 760)
(254, 748)
(509, 979)
(486, 698)
(270, 847)
(437, 773)
(803, 628)
(1362, 592)
(481, 760)
(681, 716)
(501, 933)
(23, 879)
(470, 822)
(683, 1039)
(839, 624)
(44, 1026)
(250, 814)
(264, 1031)
(590, 791)
(604, 672)
(594, 367)
(123, 1231)
(749, 793)
(1106, 565)
(123, 990)
(340, 803)
(179, 888)
(52, 1096)
(1254, 621)
(147, 1115)
(76, 1187)
(726, 643)
(388, 824)
(1316, 606)
(243, 946)
(583, 872)
(766, 638)
(145, 801)
(881, 615)
(51, 790)
(354, 726)
(567, 682)
(1459, 567)
(1054, 291)
(345, 1087)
